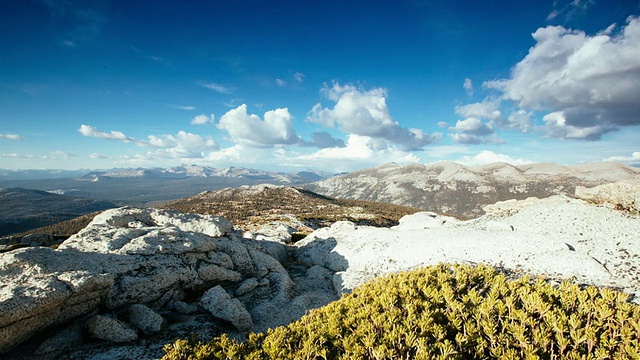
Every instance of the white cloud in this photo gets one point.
(11, 137)
(217, 88)
(474, 126)
(276, 129)
(17, 156)
(518, 120)
(592, 82)
(58, 154)
(358, 152)
(280, 82)
(568, 9)
(181, 145)
(473, 131)
(487, 109)
(234, 154)
(186, 140)
(489, 157)
(365, 113)
(443, 124)
(97, 156)
(633, 160)
(183, 107)
(468, 86)
(90, 131)
(203, 119)
(298, 76)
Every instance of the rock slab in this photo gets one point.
(223, 307)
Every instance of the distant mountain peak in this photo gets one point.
(452, 188)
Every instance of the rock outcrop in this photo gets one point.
(622, 195)
(134, 263)
(558, 237)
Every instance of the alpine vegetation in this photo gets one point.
(447, 312)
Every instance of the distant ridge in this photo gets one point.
(448, 187)
(25, 209)
(299, 208)
(145, 186)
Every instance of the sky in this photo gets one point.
(325, 85)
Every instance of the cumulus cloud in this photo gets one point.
(217, 88)
(357, 153)
(473, 131)
(589, 84)
(488, 109)
(633, 160)
(468, 86)
(489, 157)
(518, 120)
(234, 154)
(280, 82)
(556, 126)
(365, 113)
(11, 137)
(181, 145)
(183, 140)
(275, 129)
(323, 140)
(203, 119)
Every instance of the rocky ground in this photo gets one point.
(135, 279)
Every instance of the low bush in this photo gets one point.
(447, 312)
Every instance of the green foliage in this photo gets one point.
(447, 312)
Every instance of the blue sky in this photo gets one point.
(328, 85)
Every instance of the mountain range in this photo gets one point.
(444, 187)
(451, 188)
(141, 186)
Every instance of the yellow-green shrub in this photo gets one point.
(447, 312)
